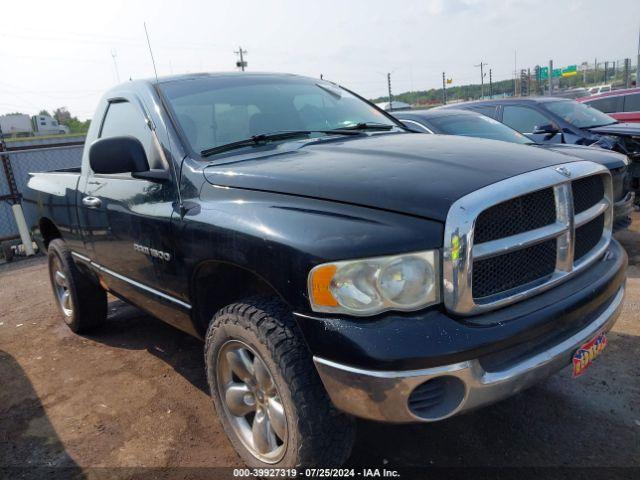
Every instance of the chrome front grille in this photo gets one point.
(520, 236)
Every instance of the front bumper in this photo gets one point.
(622, 210)
(436, 393)
(442, 365)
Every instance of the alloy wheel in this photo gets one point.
(61, 288)
(251, 401)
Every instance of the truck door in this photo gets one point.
(133, 250)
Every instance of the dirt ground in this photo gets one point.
(133, 395)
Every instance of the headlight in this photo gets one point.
(372, 285)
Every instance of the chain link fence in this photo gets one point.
(32, 155)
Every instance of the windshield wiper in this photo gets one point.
(367, 126)
(263, 138)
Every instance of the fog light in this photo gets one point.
(436, 398)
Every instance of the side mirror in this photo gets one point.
(124, 155)
(118, 155)
(548, 128)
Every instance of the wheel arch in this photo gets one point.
(47, 231)
(215, 284)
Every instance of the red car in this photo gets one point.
(623, 105)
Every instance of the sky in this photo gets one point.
(55, 54)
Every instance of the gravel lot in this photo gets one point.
(133, 394)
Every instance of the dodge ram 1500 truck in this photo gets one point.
(334, 263)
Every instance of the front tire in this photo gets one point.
(267, 392)
(83, 303)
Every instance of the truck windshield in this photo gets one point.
(219, 110)
(477, 126)
(578, 114)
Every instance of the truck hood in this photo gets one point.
(619, 129)
(609, 159)
(414, 174)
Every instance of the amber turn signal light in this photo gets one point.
(320, 281)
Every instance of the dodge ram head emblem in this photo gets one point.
(564, 171)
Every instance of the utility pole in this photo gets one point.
(627, 72)
(389, 88)
(606, 67)
(638, 63)
(550, 77)
(114, 54)
(481, 65)
(444, 89)
(515, 72)
(490, 84)
(595, 71)
(241, 64)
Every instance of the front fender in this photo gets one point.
(280, 238)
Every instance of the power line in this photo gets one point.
(129, 42)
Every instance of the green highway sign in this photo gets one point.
(569, 71)
(544, 73)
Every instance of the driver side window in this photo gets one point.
(123, 118)
(523, 119)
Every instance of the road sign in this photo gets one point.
(557, 72)
(544, 73)
(570, 71)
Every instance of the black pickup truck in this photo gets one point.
(334, 263)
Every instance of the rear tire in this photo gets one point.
(257, 343)
(83, 303)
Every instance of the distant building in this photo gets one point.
(394, 106)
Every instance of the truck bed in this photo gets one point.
(52, 196)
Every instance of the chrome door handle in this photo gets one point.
(91, 202)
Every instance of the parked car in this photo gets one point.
(393, 106)
(557, 120)
(473, 124)
(599, 89)
(334, 263)
(623, 105)
(571, 93)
